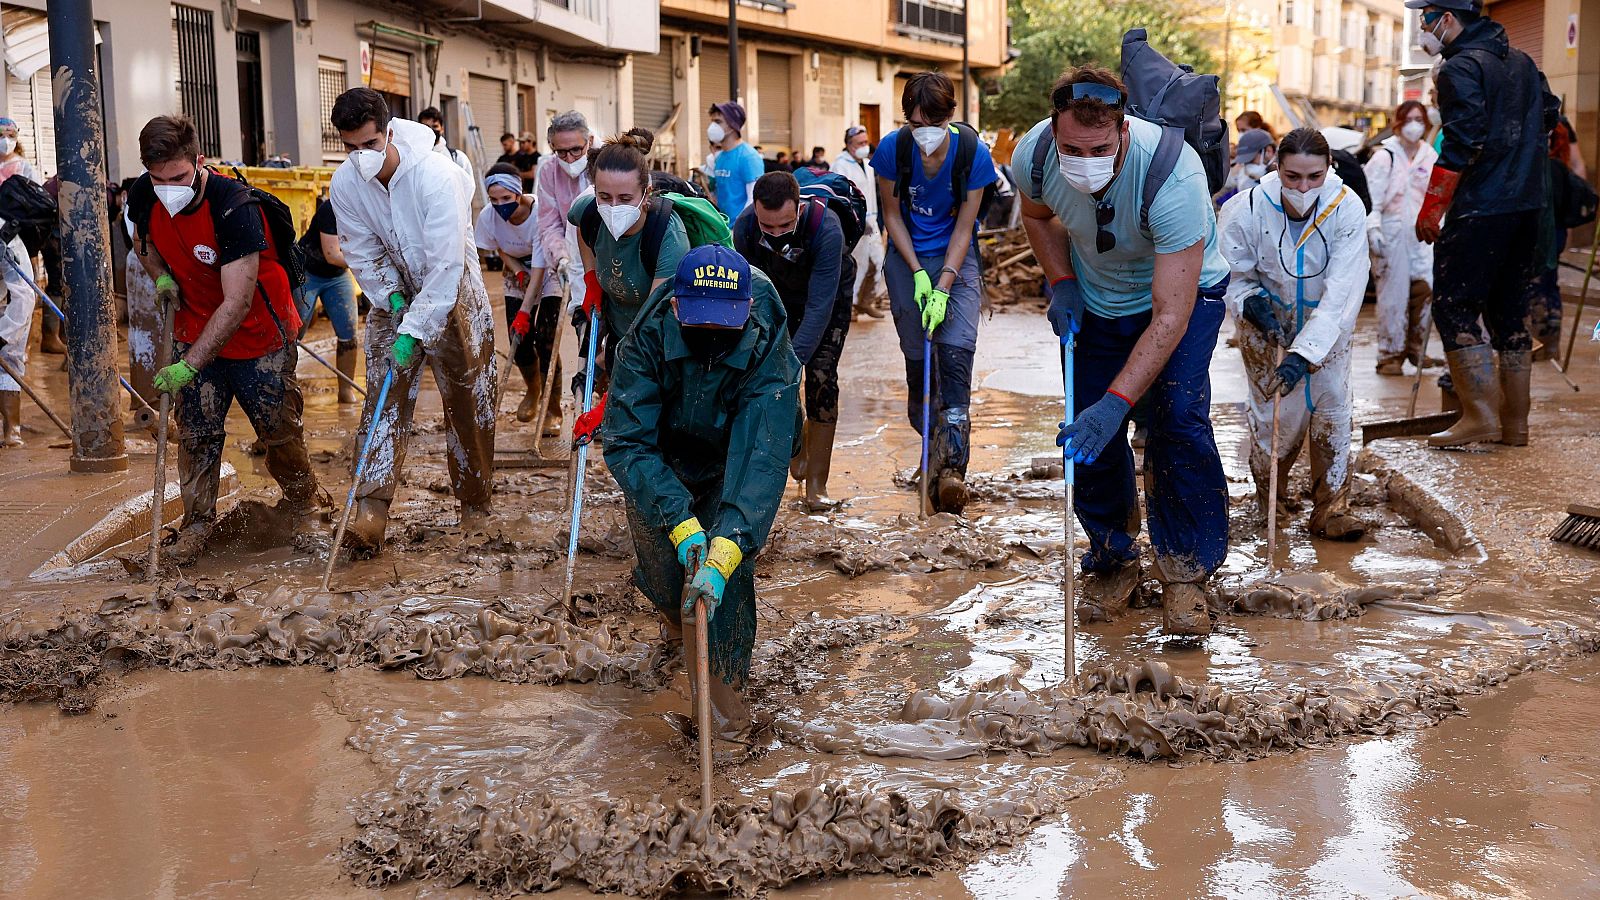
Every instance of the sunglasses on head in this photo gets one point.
(1087, 90)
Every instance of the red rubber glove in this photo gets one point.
(520, 280)
(521, 324)
(1441, 190)
(583, 431)
(591, 293)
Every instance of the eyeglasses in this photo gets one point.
(1104, 240)
(1087, 90)
(571, 153)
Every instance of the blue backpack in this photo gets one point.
(842, 196)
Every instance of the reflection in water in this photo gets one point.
(1037, 870)
(1361, 859)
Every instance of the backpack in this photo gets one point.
(966, 151)
(668, 183)
(1354, 177)
(701, 220)
(29, 213)
(280, 223)
(1571, 198)
(842, 196)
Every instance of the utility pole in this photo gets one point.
(966, 66)
(85, 258)
(733, 51)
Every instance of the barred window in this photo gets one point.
(194, 51)
(330, 84)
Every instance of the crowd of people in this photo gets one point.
(720, 322)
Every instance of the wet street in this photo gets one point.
(1415, 714)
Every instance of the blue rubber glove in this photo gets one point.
(406, 350)
(1258, 312)
(1289, 372)
(1066, 307)
(1089, 433)
(690, 539)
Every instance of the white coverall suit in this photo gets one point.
(1315, 272)
(16, 315)
(1403, 265)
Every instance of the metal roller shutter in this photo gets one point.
(29, 104)
(713, 76)
(1523, 21)
(772, 86)
(488, 99)
(391, 71)
(652, 88)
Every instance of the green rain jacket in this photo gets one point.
(674, 426)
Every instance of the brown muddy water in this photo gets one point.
(1387, 718)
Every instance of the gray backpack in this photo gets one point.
(1187, 106)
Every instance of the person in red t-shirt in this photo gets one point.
(205, 241)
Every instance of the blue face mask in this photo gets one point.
(506, 210)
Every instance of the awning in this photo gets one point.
(27, 40)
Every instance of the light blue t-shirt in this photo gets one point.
(931, 223)
(1117, 283)
(735, 170)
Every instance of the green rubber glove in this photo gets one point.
(175, 377)
(933, 312)
(167, 289)
(397, 302)
(406, 351)
(922, 287)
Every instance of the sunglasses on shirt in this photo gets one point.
(1104, 240)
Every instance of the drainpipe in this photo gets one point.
(85, 256)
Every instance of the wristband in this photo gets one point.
(1119, 396)
(685, 529)
(1063, 278)
(725, 556)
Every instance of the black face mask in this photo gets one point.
(710, 344)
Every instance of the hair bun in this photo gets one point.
(641, 139)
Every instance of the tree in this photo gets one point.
(1054, 35)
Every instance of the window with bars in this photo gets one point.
(194, 51)
(932, 18)
(330, 84)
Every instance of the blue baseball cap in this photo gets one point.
(713, 287)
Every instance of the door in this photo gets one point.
(775, 103)
(869, 120)
(252, 118)
(652, 88)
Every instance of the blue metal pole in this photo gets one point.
(927, 419)
(361, 470)
(583, 455)
(1069, 523)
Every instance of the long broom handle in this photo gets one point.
(1583, 298)
(927, 423)
(583, 457)
(361, 470)
(1272, 480)
(331, 368)
(158, 494)
(37, 400)
(1069, 574)
(703, 701)
(1422, 355)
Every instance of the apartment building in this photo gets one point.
(260, 76)
(807, 69)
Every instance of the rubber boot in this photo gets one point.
(797, 463)
(476, 518)
(50, 335)
(1516, 368)
(346, 354)
(364, 535)
(730, 715)
(819, 460)
(1106, 595)
(1184, 610)
(533, 381)
(1472, 374)
(10, 418)
(552, 415)
(950, 452)
(184, 547)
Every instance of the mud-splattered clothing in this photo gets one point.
(710, 440)
(1397, 183)
(16, 315)
(1481, 268)
(269, 394)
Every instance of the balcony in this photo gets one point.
(938, 21)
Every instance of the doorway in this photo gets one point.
(252, 116)
(869, 121)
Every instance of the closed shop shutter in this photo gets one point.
(391, 71)
(652, 88)
(772, 86)
(1523, 21)
(488, 99)
(29, 104)
(713, 76)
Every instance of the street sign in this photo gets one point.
(1572, 34)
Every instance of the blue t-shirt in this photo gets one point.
(735, 170)
(1117, 283)
(931, 223)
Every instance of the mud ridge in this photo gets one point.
(509, 842)
(1289, 602)
(792, 662)
(942, 542)
(1144, 710)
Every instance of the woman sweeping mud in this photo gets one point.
(508, 227)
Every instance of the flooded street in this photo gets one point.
(1415, 714)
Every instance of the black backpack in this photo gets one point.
(842, 196)
(1574, 202)
(29, 213)
(966, 151)
(1354, 177)
(668, 183)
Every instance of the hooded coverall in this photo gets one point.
(415, 236)
(1315, 272)
(16, 318)
(1405, 267)
(709, 440)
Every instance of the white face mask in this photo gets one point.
(862, 152)
(715, 132)
(1434, 116)
(7, 144)
(1430, 42)
(930, 138)
(618, 218)
(576, 167)
(1412, 131)
(1255, 170)
(1088, 174)
(175, 197)
(368, 162)
(1300, 200)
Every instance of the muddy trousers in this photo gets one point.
(1544, 308)
(269, 394)
(1186, 491)
(534, 350)
(952, 398)
(1319, 405)
(1401, 304)
(822, 369)
(732, 636)
(463, 365)
(1481, 268)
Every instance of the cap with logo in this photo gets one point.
(713, 287)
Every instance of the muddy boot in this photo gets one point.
(1516, 367)
(1105, 595)
(730, 716)
(10, 418)
(1472, 374)
(50, 335)
(797, 463)
(183, 547)
(819, 460)
(346, 353)
(1184, 610)
(950, 492)
(950, 448)
(552, 410)
(363, 538)
(1392, 365)
(529, 407)
(1448, 401)
(476, 519)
